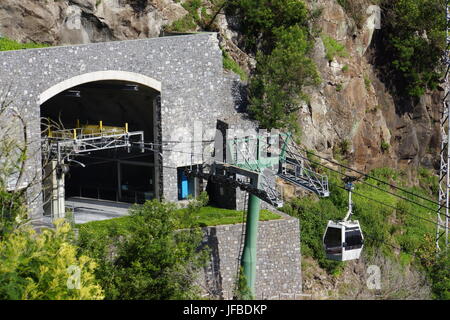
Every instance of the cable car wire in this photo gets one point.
(362, 181)
(356, 171)
(380, 202)
(371, 177)
(390, 206)
(375, 239)
(373, 186)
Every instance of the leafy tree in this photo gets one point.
(415, 42)
(277, 31)
(153, 258)
(38, 266)
(276, 90)
(261, 18)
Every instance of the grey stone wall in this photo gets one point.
(278, 260)
(194, 88)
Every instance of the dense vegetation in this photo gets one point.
(384, 228)
(155, 250)
(276, 88)
(277, 32)
(45, 266)
(412, 42)
(12, 210)
(149, 257)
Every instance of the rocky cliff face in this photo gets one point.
(83, 21)
(353, 108)
(352, 114)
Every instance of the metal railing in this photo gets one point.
(112, 194)
(306, 177)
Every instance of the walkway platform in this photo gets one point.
(87, 210)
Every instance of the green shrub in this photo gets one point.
(415, 42)
(147, 256)
(367, 82)
(260, 19)
(276, 90)
(230, 64)
(12, 210)
(341, 149)
(355, 9)
(333, 48)
(38, 266)
(440, 276)
(190, 21)
(384, 146)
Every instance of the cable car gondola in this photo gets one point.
(343, 240)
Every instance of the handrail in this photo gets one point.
(316, 180)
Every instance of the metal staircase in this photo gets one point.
(295, 170)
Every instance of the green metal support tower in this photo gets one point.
(248, 260)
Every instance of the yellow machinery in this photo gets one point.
(87, 131)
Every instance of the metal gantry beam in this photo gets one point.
(444, 176)
(62, 144)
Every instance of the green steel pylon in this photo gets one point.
(248, 260)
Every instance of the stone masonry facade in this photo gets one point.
(194, 89)
(195, 92)
(278, 259)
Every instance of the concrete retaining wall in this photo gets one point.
(278, 260)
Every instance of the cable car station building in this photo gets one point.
(148, 94)
(115, 123)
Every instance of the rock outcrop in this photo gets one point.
(352, 108)
(59, 22)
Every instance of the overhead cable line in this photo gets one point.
(368, 176)
(376, 239)
(403, 198)
(388, 205)
(377, 187)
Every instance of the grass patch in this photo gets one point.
(333, 48)
(230, 64)
(384, 146)
(8, 45)
(367, 82)
(207, 216)
(197, 16)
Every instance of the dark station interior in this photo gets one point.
(114, 174)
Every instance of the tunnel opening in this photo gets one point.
(108, 171)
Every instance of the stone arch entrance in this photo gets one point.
(111, 175)
(99, 76)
